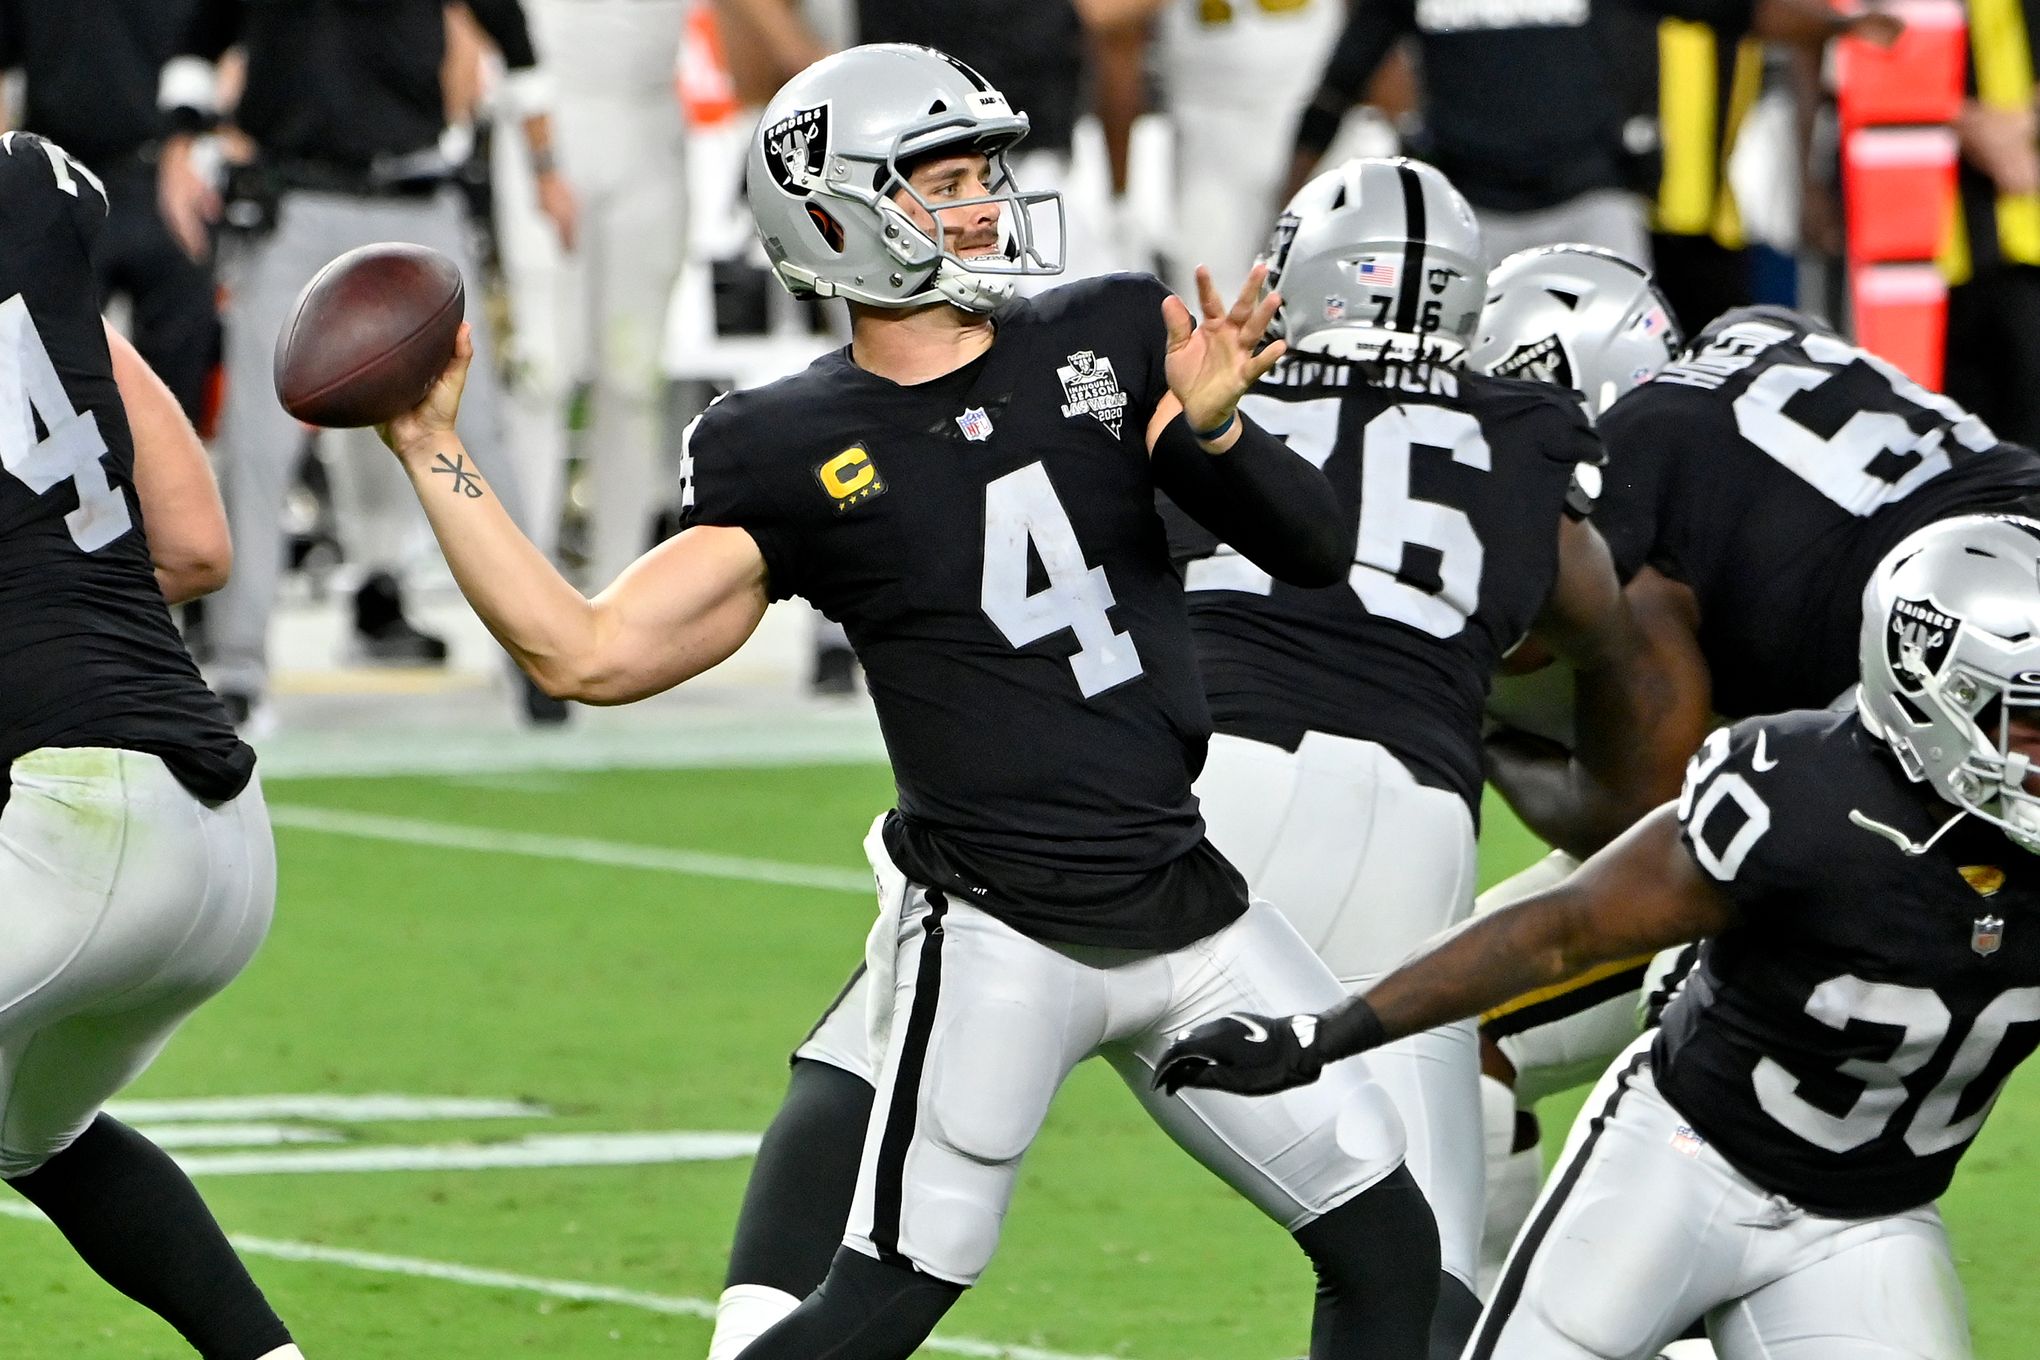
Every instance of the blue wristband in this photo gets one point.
(1218, 430)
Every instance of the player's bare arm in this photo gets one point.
(1636, 726)
(1625, 694)
(188, 541)
(681, 609)
(1641, 894)
(1237, 480)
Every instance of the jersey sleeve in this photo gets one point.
(50, 197)
(1637, 439)
(720, 485)
(1735, 807)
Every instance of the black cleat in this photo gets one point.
(382, 635)
(835, 672)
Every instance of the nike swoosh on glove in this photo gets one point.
(1251, 1055)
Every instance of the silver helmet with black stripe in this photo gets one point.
(838, 142)
(1383, 254)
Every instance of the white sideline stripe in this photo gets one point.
(540, 1150)
(361, 1109)
(615, 854)
(197, 1135)
(670, 1304)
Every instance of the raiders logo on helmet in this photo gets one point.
(1537, 360)
(796, 149)
(1917, 642)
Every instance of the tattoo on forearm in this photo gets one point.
(465, 483)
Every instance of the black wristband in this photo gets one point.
(1350, 1028)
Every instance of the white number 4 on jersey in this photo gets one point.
(30, 390)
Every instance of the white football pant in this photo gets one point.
(1368, 865)
(984, 1024)
(125, 903)
(1644, 1227)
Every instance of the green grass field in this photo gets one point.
(641, 997)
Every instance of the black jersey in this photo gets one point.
(88, 655)
(1843, 1043)
(1770, 471)
(1453, 483)
(989, 542)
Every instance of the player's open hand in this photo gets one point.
(1253, 1055)
(1212, 363)
(434, 416)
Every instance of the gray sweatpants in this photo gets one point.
(380, 522)
(1613, 219)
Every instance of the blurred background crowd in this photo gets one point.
(582, 159)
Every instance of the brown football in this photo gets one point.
(368, 335)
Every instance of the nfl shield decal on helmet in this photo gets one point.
(796, 147)
(975, 424)
(1987, 935)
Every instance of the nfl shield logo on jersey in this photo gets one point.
(1988, 934)
(975, 424)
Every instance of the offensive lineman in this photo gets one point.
(137, 875)
(974, 501)
(1345, 773)
(1770, 1156)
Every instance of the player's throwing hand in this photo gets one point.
(434, 416)
(1210, 366)
(1251, 1055)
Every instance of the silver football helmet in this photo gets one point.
(1577, 316)
(1378, 257)
(838, 142)
(1950, 654)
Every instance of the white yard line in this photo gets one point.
(539, 1150)
(671, 1304)
(584, 850)
(363, 1109)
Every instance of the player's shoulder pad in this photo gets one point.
(36, 171)
(1538, 413)
(760, 420)
(1134, 297)
(1776, 791)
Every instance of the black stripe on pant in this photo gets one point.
(1509, 1289)
(889, 1187)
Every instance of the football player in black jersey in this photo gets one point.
(137, 873)
(1769, 1157)
(973, 498)
(1345, 772)
(1751, 487)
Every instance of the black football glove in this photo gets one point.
(1251, 1055)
